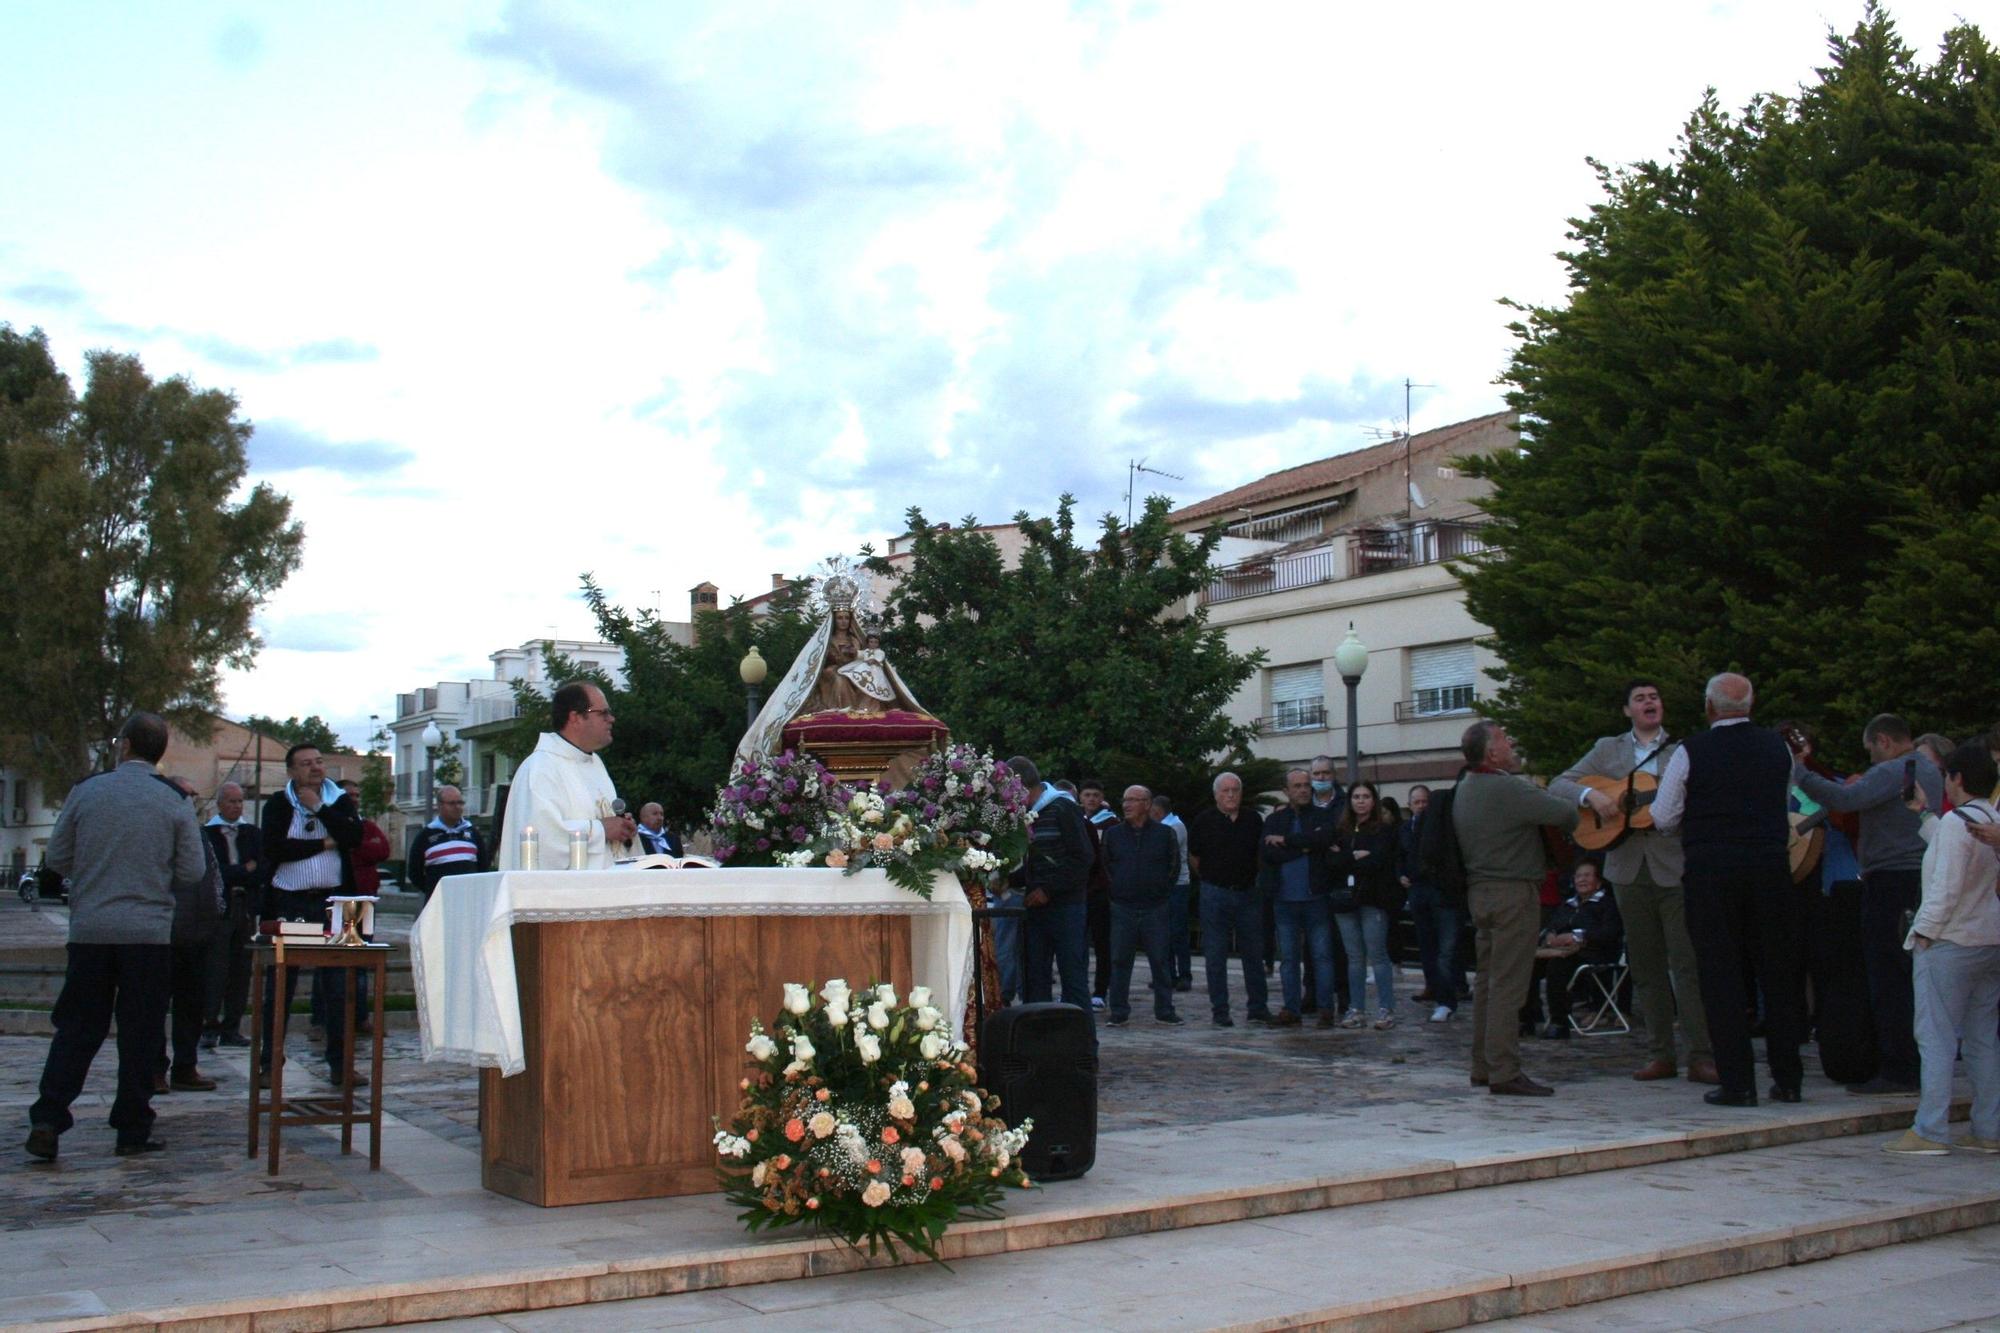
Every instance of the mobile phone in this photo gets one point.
(1910, 778)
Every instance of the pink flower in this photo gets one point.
(884, 842)
(837, 859)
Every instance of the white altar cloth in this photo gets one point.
(462, 946)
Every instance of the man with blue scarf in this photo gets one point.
(310, 831)
(1056, 871)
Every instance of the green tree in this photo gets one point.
(134, 568)
(1760, 432)
(1091, 659)
(377, 785)
(447, 768)
(682, 708)
(292, 731)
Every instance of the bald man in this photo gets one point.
(1726, 789)
(654, 835)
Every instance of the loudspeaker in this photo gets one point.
(1041, 1060)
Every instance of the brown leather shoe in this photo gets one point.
(160, 1088)
(1703, 1071)
(1521, 1086)
(1656, 1069)
(192, 1080)
(1285, 1019)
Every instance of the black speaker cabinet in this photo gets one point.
(1042, 1061)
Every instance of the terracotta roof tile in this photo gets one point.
(1327, 471)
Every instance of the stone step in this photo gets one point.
(459, 1252)
(1501, 1252)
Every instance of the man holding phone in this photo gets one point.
(1891, 850)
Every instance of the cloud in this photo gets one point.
(332, 632)
(56, 295)
(1174, 411)
(278, 446)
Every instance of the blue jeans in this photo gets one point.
(1059, 931)
(1365, 935)
(1240, 910)
(1133, 927)
(1180, 904)
(1007, 946)
(1303, 924)
(1439, 925)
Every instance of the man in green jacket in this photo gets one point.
(1499, 817)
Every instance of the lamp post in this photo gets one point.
(1350, 659)
(753, 669)
(431, 738)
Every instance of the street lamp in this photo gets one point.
(1350, 659)
(753, 669)
(431, 738)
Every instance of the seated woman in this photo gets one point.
(1583, 931)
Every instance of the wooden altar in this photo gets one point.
(634, 1033)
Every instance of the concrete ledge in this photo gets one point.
(673, 1272)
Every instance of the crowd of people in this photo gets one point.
(1700, 901)
(1720, 937)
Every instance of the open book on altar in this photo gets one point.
(661, 861)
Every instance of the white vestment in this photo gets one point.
(556, 789)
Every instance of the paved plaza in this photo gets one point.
(1217, 1145)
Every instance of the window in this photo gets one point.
(1441, 679)
(1298, 697)
(487, 770)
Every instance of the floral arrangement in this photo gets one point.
(863, 1119)
(774, 806)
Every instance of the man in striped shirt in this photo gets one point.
(448, 845)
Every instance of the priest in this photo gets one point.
(563, 787)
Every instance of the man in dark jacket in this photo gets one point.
(124, 839)
(1299, 843)
(450, 845)
(239, 851)
(1224, 846)
(1439, 921)
(1056, 874)
(311, 831)
(201, 930)
(1141, 859)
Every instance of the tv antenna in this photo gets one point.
(1412, 497)
(1132, 471)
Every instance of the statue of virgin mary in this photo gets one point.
(841, 677)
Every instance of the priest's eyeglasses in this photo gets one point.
(609, 716)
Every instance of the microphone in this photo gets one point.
(618, 808)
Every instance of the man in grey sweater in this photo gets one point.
(1891, 850)
(1499, 817)
(124, 838)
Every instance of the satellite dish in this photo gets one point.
(1417, 497)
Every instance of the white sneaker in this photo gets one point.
(1097, 1002)
(1384, 1020)
(1441, 1014)
(1352, 1019)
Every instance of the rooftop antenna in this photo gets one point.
(1132, 471)
(1410, 497)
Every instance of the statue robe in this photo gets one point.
(556, 789)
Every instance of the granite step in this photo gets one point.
(1496, 1253)
(459, 1251)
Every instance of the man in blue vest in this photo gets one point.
(1727, 790)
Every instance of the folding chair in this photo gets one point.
(1600, 983)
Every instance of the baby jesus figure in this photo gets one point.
(869, 672)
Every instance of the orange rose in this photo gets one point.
(795, 1129)
(937, 1182)
(751, 1136)
(889, 1135)
(875, 1167)
(823, 1094)
(812, 1203)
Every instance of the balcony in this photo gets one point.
(1268, 574)
(1305, 715)
(1450, 701)
(1378, 550)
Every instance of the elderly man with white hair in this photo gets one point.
(1726, 790)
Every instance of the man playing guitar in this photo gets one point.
(1644, 868)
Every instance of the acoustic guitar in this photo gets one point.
(1806, 844)
(1634, 795)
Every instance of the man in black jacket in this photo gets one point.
(1141, 859)
(1056, 874)
(450, 845)
(239, 850)
(1584, 931)
(1224, 843)
(1299, 842)
(311, 829)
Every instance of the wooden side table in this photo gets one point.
(267, 1090)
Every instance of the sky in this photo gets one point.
(670, 293)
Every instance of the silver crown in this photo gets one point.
(841, 593)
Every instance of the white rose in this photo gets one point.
(871, 816)
(821, 1124)
(834, 991)
(932, 1046)
(878, 1017)
(757, 1174)
(927, 1018)
(802, 1049)
(869, 1046)
(886, 994)
(836, 1014)
(902, 1108)
(797, 998)
(920, 996)
(761, 1047)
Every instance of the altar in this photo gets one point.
(608, 1010)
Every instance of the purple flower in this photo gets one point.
(763, 844)
(930, 812)
(784, 808)
(957, 765)
(930, 784)
(799, 834)
(791, 786)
